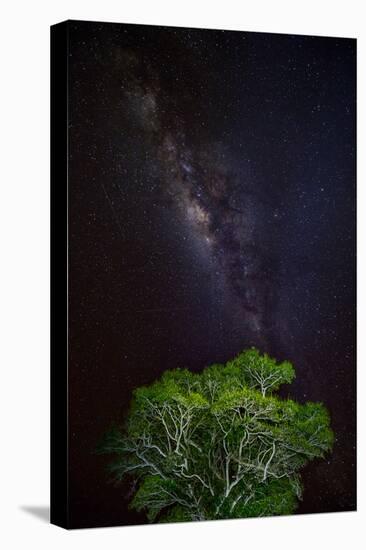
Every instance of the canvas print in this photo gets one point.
(209, 231)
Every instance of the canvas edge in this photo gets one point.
(59, 486)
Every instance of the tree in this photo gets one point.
(218, 444)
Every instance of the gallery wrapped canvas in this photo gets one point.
(203, 274)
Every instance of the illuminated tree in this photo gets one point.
(218, 444)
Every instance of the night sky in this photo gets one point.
(211, 208)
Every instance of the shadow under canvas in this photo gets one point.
(40, 512)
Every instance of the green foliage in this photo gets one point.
(218, 444)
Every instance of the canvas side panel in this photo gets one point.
(59, 277)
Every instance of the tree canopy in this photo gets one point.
(219, 443)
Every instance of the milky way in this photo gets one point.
(200, 182)
(211, 208)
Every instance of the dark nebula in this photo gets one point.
(211, 208)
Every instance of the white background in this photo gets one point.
(24, 273)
